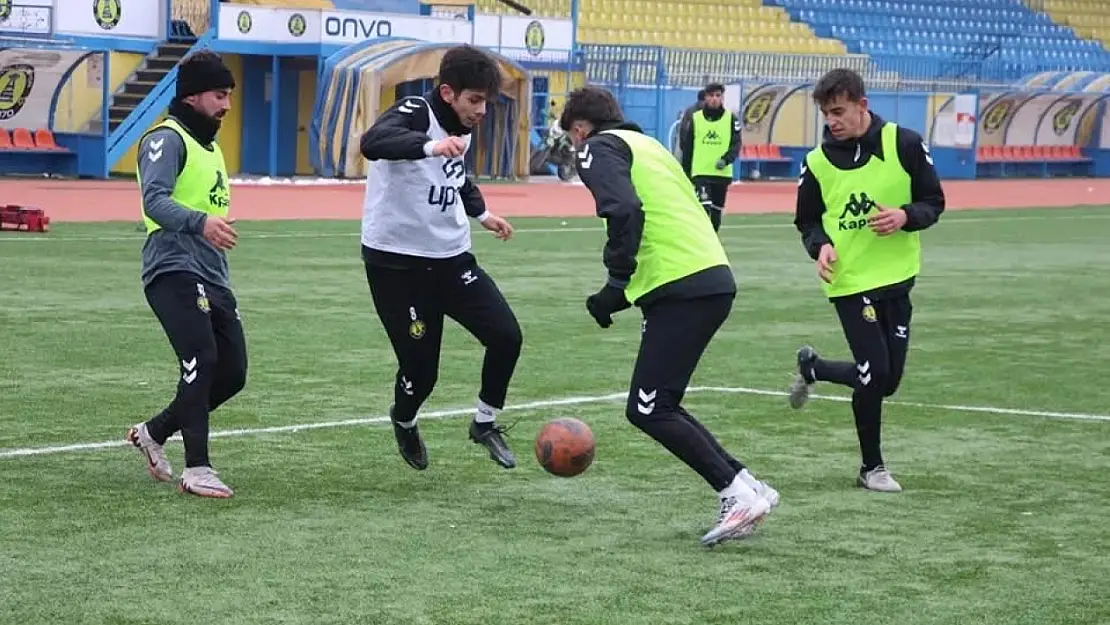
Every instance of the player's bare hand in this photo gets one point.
(450, 147)
(825, 260)
(219, 232)
(499, 226)
(887, 221)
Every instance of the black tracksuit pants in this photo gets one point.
(412, 300)
(201, 321)
(676, 332)
(713, 192)
(878, 333)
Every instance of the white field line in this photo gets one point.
(548, 403)
(600, 228)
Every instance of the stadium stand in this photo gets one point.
(740, 25)
(291, 4)
(1088, 18)
(897, 33)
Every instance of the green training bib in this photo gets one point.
(678, 238)
(866, 260)
(202, 184)
(711, 139)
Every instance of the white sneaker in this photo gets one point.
(155, 455)
(203, 482)
(763, 489)
(736, 519)
(879, 479)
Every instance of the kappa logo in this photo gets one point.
(219, 196)
(712, 137)
(854, 215)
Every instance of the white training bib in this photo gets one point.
(414, 207)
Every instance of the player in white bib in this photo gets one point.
(416, 248)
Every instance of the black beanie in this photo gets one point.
(203, 71)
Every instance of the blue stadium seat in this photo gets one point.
(1000, 38)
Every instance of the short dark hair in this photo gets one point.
(701, 95)
(468, 67)
(590, 104)
(836, 83)
(714, 87)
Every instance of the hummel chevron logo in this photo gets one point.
(154, 149)
(406, 386)
(647, 402)
(408, 107)
(585, 159)
(864, 369)
(190, 370)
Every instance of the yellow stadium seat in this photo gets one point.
(292, 4)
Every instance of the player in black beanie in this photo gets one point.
(204, 85)
(186, 204)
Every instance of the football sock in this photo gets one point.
(867, 407)
(732, 462)
(738, 490)
(485, 413)
(836, 371)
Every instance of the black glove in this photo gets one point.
(605, 302)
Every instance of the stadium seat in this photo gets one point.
(735, 25)
(22, 139)
(1088, 18)
(927, 39)
(1024, 160)
(291, 4)
(5, 139)
(44, 140)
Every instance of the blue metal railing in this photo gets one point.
(144, 115)
(648, 66)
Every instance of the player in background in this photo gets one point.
(185, 202)
(416, 248)
(710, 144)
(864, 196)
(663, 256)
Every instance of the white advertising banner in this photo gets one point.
(253, 23)
(524, 38)
(347, 27)
(111, 18)
(28, 79)
(520, 37)
(26, 17)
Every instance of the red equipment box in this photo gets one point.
(23, 219)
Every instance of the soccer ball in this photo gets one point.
(565, 447)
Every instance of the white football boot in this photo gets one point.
(203, 482)
(154, 454)
(879, 479)
(736, 519)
